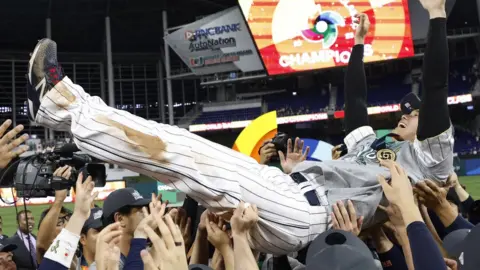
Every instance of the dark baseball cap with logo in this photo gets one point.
(341, 250)
(463, 246)
(7, 248)
(94, 221)
(410, 103)
(121, 198)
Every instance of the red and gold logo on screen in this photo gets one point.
(301, 35)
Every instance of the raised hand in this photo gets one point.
(84, 196)
(431, 195)
(362, 28)
(155, 206)
(244, 218)
(64, 172)
(168, 251)
(436, 8)
(267, 151)
(8, 143)
(184, 223)
(399, 191)
(107, 251)
(346, 220)
(294, 155)
(217, 234)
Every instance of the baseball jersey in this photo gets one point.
(354, 176)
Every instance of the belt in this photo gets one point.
(311, 195)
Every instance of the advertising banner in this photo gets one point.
(302, 35)
(217, 43)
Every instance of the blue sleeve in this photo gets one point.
(426, 254)
(48, 264)
(134, 261)
(393, 259)
(437, 223)
(459, 223)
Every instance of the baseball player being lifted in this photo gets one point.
(293, 208)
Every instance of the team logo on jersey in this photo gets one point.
(323, 29)
(386, 154)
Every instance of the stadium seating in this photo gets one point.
(387, 90)
(228, 116)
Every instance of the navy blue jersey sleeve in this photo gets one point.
(425, 252)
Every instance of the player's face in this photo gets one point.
(407, 126)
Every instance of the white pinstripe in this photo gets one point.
(216, 176)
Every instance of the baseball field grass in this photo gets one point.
(10, 224)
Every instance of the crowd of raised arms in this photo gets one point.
(375, 205)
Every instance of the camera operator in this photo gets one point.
(57, 216)
(267, 152)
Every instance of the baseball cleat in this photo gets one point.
(44, 73)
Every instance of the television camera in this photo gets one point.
(32, 176)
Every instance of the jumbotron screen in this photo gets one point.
(302, 35)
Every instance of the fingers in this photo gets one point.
(352, 213)
(360, 223)
(10, 135)
(386, 187)
(5, 126)
(78, 184)
(338, 215)
(240, 209)
(17, 152)
(289, 146)
(391, 166)
(147, 259)
(67, 172)
(188, 226)
(434, 187)
(281, 156)
(164, 230)
(305, 154)
(158, 243)
(424, 190)
(174, 231)
(17, 142)
(299, 144)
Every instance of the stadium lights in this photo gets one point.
(316, 116)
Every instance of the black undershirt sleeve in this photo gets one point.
(434, 117)
(356, 114)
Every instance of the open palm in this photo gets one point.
(293, 156)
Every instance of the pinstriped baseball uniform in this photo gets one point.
(219, 177)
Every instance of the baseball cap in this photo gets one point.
(7, 248)
(463, 246)
(121, 198)
(336, 249)
(94, 221)
(410, 103)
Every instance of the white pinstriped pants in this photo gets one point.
(213, 175)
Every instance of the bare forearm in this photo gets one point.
(46, 234)
(228, 257)
(407, 252)
(243, 253)
(200, 249)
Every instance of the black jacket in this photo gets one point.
(21, 256)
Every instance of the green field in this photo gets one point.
(9, 222)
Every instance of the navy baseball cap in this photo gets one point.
(341, 250)
(463, 246)
(7, 248)
(121, 198)
(410, 103)
(94, 221)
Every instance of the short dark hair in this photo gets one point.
(44, 213)
(126, 210)
(21, 213)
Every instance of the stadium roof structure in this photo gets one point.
(79, 25)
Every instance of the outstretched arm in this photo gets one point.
(434, 143)
(356, 114)
(434, 117)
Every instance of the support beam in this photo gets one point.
(111, 92)
(167, 71)
(48, 32)
(161, 91)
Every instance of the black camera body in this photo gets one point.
(32, 176)
(280, 141)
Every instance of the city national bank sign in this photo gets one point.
(212, 31)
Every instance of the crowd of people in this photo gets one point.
(375, 205)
